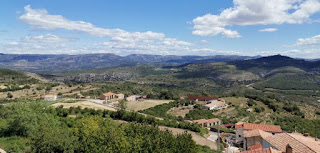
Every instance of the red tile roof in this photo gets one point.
(263, 127)
(253, 147)
(266, 150)
(108, 94)
(202, 98)
(299, 144)
(256, 133)
(228, 125)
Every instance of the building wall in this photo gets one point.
(120, 96)
(131, 98)
(239, 134)
(50, 98)
(254, 141)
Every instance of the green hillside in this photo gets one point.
(10, 76)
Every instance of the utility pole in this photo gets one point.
(218, 140)
(244, 144)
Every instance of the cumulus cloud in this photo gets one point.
(255, 12)
(296, 53)
(313, 41)
(48, 38)
(120, 40)
(40, 18)
(268, 30)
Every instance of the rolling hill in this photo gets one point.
(55, 64)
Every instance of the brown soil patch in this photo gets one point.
(84, 104)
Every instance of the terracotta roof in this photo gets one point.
(253, 147)
(298, 143)
(213, 120)
(256, 133)
(200, 121)
(108, 94)
(263, 127)
(202, 98)
(308, 141)
(224, 134)
(227, 125)
(266, 150)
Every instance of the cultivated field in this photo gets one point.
(84, 104)
(141, 105)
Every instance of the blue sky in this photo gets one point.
(180, 27)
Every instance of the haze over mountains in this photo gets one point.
(52, 64)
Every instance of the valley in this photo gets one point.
(270, 94)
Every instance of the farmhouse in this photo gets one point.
(107, 96)
(110, 96)
(120, 96)
(215, 105)
(131, 98)
(241, 128)
(50, 97)
(207, 123)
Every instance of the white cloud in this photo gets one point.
(40, 18)
(268, 30)
(208, 51)
(204, 41)
(48, 38)
(121, 41)
(313, 41)
(255, 12)
(296, 53)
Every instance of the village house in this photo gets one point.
(131, 98)
(107, 96)
(296, 142)
(110, 96)
(255, 138)
(241, 128)
(230, 125)
(215, 105)
(50, 97)
(120, 96)
(207, 123)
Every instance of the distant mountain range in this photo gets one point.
(54, 64)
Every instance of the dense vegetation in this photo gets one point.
(51, 130)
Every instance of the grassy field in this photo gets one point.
(180, 111)
(142, 105)
(84, 104)
(236, 101)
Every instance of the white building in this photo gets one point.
(50, 97)
(131, 98)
